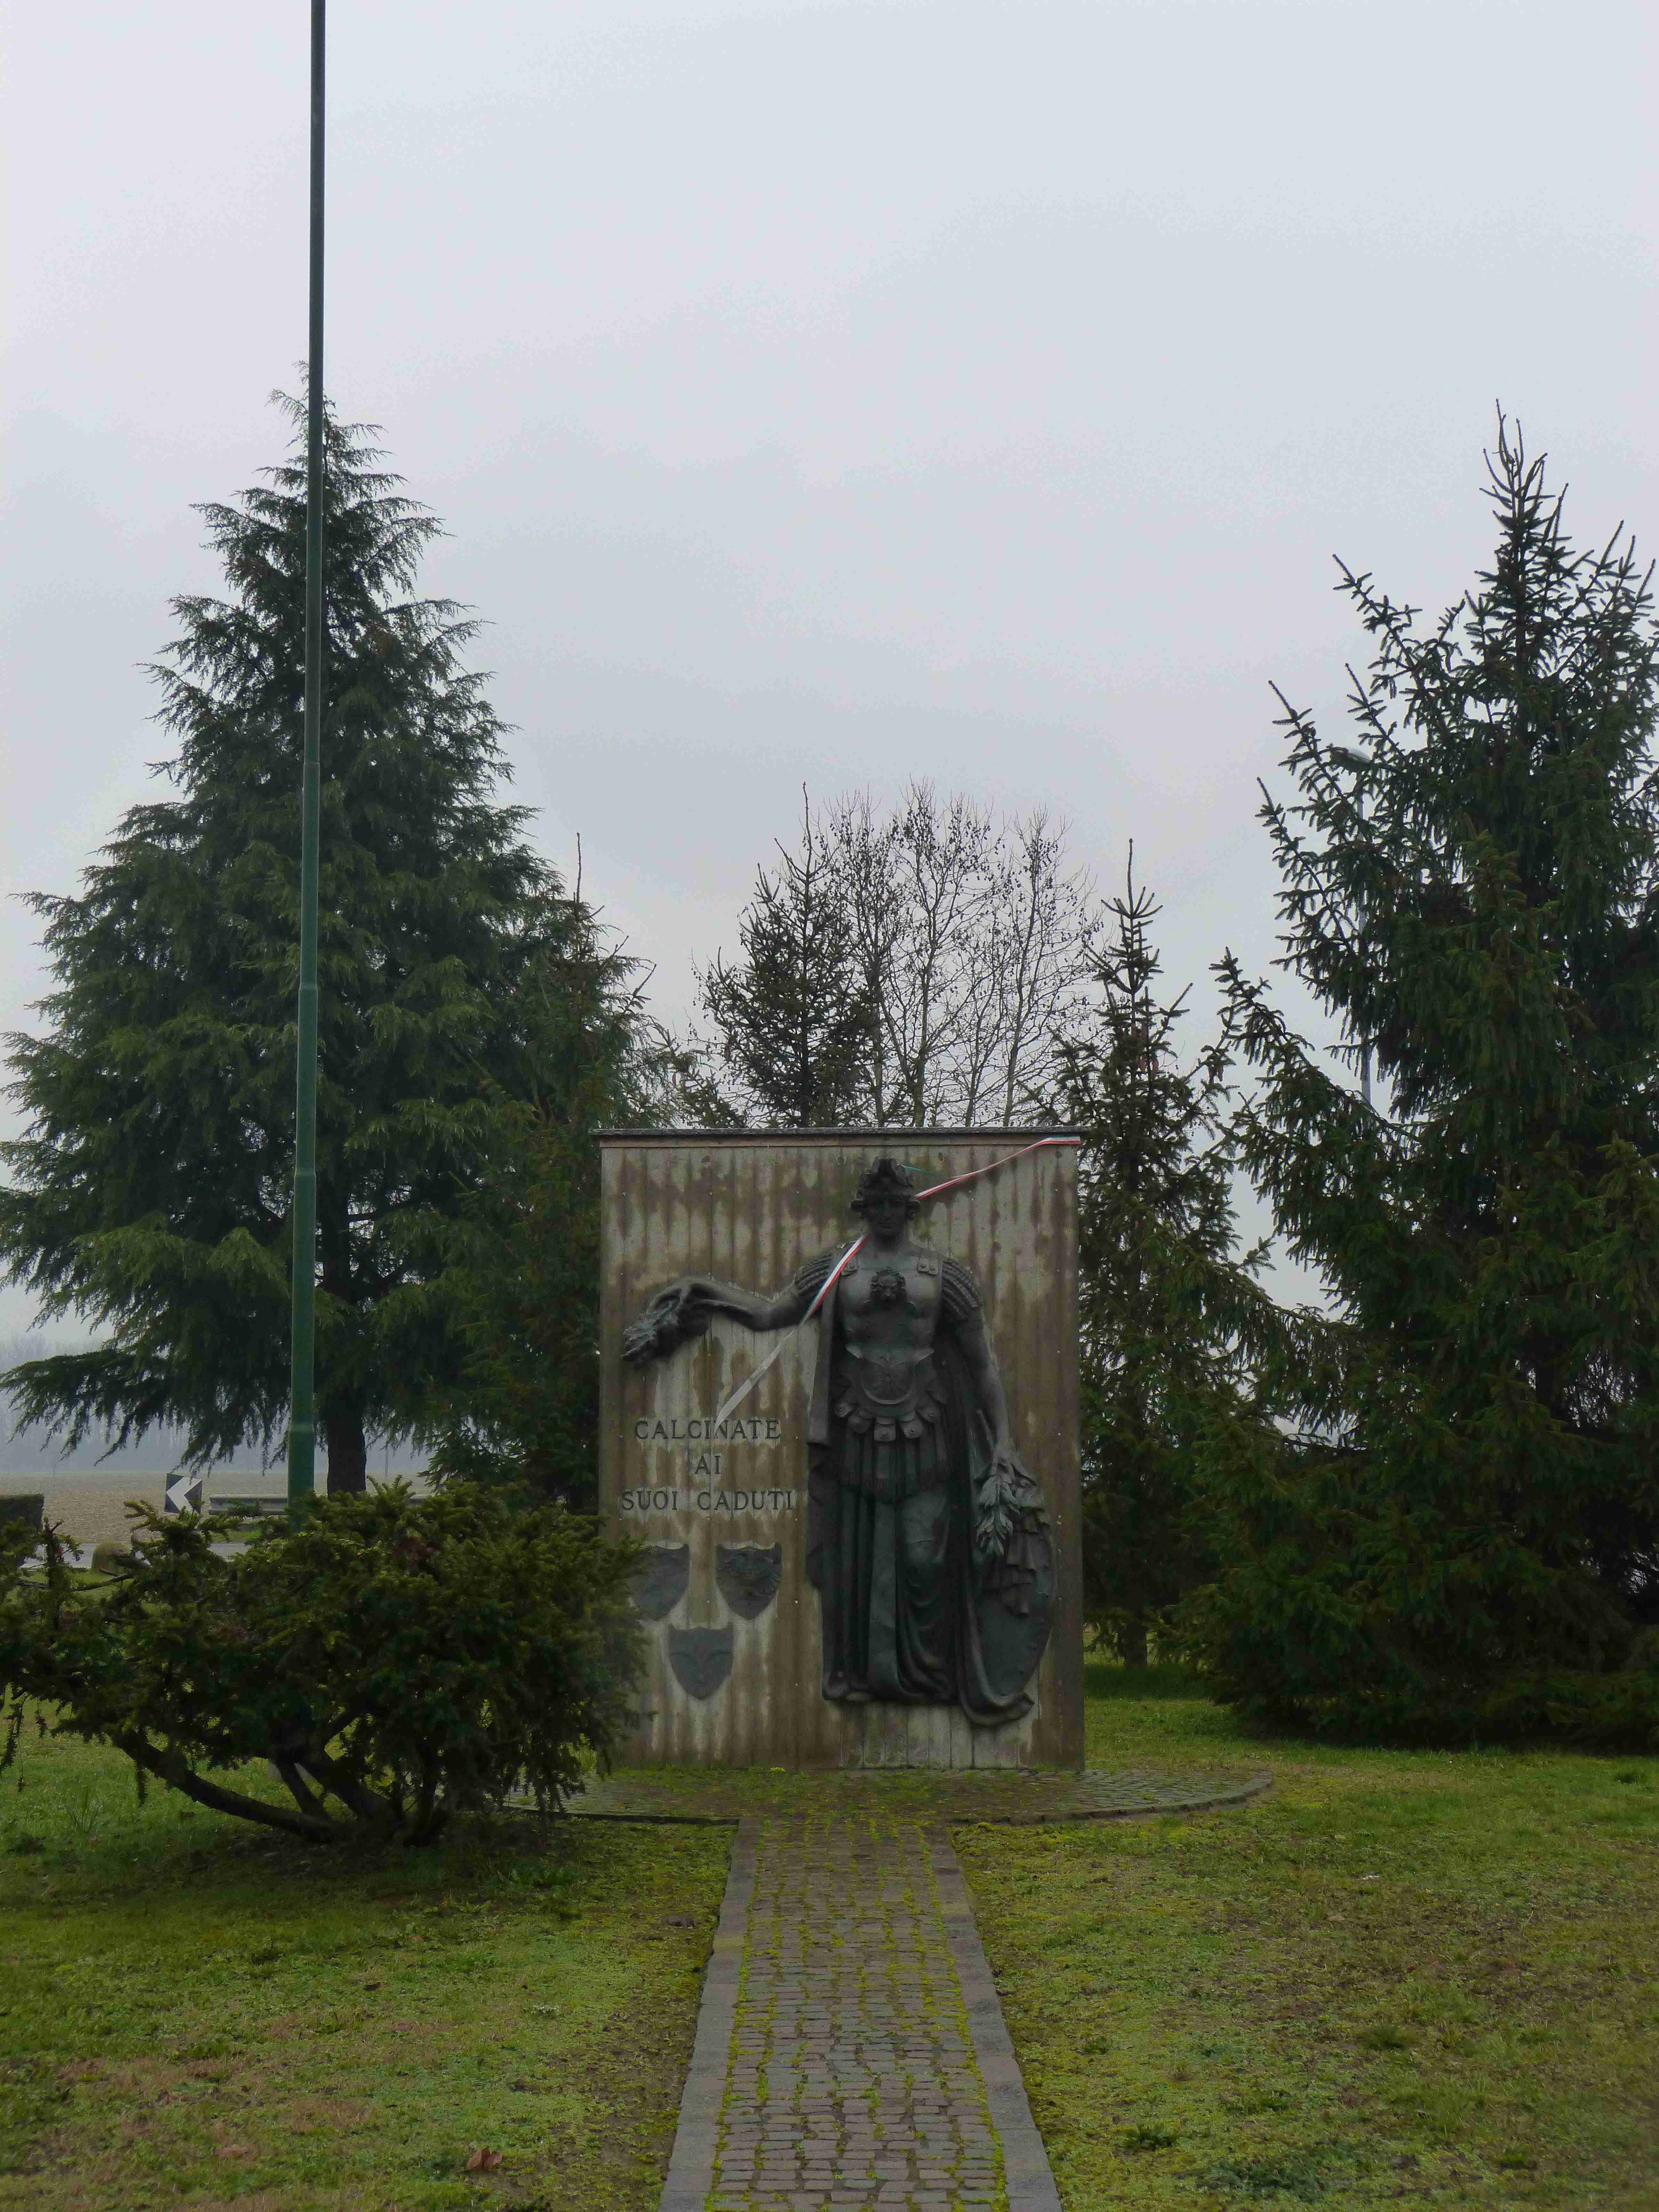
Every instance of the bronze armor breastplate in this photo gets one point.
(886, 1378)
(894, 1389)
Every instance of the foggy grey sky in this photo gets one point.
(836, 392)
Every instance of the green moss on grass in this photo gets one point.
(192, 2016)
(1406, 1977)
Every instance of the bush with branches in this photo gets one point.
(397, 1660)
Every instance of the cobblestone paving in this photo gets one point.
(850, 2047)
(852, 2076)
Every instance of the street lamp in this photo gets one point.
(303, 1423)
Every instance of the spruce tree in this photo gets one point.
(1462, 1536)
(1169, 1313)
(150, 1194)
(790, 1019)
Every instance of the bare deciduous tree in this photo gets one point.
(1040, 946)
(967, 942)
(917, 884)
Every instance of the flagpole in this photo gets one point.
(302, 1427)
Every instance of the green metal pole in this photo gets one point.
(302, 1425)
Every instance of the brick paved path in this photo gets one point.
(851, 2050)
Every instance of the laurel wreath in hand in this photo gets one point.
(1005, 1494)
(672, 1315)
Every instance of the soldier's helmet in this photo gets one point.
(889, 1178)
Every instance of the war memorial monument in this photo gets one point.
(839, 1409)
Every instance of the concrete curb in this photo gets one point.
(690, 2179)
(1243, 1793)
(944, 1816)
(661, 1819)
(1030, 2183)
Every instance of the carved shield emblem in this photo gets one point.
(700, 1659)
(659, 1579)
(747, 1576)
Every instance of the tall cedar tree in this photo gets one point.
(1464, 1535)
(150, 1192)
(1169, 1314)
(790, 1019)
(527, 1251)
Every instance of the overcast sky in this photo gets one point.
(827, 393)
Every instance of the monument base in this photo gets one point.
(930, 1736)
(935, 1738)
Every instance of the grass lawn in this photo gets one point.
(1405, 1979)
(1416, 1978)
(191, 2015)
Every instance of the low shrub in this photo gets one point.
(395, 1660)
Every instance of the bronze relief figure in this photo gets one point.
(926, 1538)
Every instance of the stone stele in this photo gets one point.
(748, 1499)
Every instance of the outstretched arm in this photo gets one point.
(684, 1309)
(754, 1311)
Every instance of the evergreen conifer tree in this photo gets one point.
(150, 1194)
(1463, 1535)
(525, 1257)
(790, 1019)
(1169, 1312)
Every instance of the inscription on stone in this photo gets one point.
(705, 1448)
(703, 1428)
(708, 1501)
